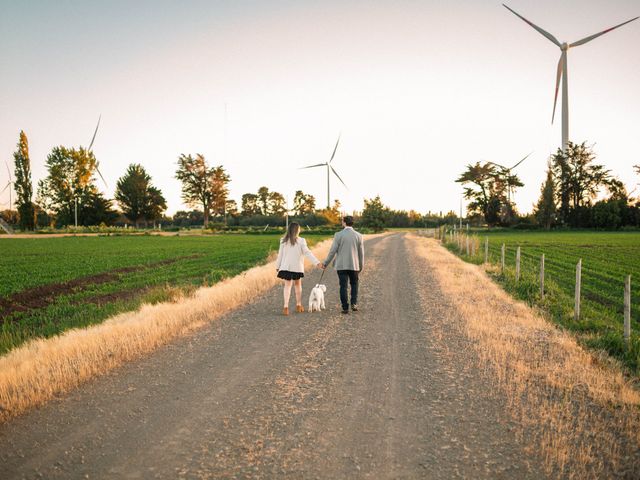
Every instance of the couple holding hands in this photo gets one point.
(348, 250)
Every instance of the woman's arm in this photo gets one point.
(307, 253)
(279, 260)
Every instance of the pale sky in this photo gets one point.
(418, 89)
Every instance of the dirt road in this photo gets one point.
(387, 392)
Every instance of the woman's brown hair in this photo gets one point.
(292, 233)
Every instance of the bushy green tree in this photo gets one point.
(486, 189)
(250, 205)
(70, 180)
(23, 185)
(201, 185)
(277, 204)
(303, 204)
(137, 197)
(374, 215)
(578, 180)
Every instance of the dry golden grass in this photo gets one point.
(575, 407)
(37, 371)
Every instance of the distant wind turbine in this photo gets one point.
(93, 139)
(329, 170)
(506, 171)
(562, 70)
(9, 186)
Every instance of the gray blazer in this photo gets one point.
(348, 250)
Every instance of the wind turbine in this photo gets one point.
(90, 147)
(506, 171)
(89, 150)
(329, 170)
(562, 70)
(8, 185)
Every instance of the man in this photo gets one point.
(348, 250)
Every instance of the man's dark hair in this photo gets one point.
(348, 221)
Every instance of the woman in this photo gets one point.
(290, 264)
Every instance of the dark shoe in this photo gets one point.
(345, 311)
(354, 308)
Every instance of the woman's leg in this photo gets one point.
(287, 292)
(297, 285)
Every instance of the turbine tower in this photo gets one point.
(329, 170)
(562, 70)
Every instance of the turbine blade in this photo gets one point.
(336, 174)
(591, 37)
(5, 187)
(558, 77)
(540, 30)
(313, 166)
(520, 162)
(95, 133)
(336, 148)
(8, 170)
(498, 165)
(104, 181)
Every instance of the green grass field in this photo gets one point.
(49, 285)
(607, 257)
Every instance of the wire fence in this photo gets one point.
(572, 289)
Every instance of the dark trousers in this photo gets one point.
(350, 276)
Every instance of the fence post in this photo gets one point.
(518, 264)
(486, 249)
(576, 310)
(542, 276)
(467, 244)
(627, 309)
(502, 259)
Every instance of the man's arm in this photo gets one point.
(361, 252)
(334, 249)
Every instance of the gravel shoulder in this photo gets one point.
(387, 392)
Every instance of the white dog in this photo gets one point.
(316, 298)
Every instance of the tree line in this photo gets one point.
(69, 194)
(568, 195)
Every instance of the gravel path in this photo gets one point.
(387, 392)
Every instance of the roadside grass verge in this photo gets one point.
(575, 407)
(43, 368)
(607, 257)
(50, 285)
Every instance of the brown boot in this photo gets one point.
(299, 308)
(285, 311)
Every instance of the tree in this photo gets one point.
(332, 215)
(69, 180)
(303, 204)
(578, 179)
(262, 200)
(277, 205)
(201, 185)
(23, 185)
(250, 205)
(220, 181)
(137, 197)
(232, 208)
(545, 210)
(374, 214)
(486, 191)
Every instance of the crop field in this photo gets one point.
(607, 258)
(49, 285)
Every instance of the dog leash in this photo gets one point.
(321, 275)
